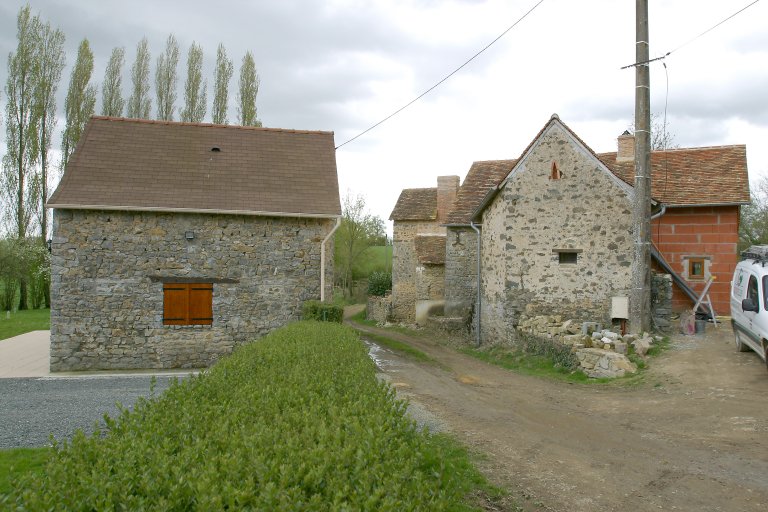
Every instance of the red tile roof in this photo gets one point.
(692, 176)
(416, 204)
(136, 164)
(482, 177)
(430, 249)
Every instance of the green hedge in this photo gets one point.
(294, 421)
(322, 311)
(379, 284)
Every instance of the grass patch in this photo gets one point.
(25, 321)
(295, 421)
(18, 461)
(377, 258)
(527, 364)
(359, 318)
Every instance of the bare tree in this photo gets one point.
(247, 91)
(195, 88)
(112, 101)
(20, 129)
(80, 103)
(222, 76)
(165, 79)
(661, 137)
(139, 103)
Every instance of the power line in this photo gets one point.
(710, 29)
(417, 98)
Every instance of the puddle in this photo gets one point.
(380, 356)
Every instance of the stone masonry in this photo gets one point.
(108, 269)
(408, 275)
(460, 272)
(559, 199)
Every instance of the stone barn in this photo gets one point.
(173, 242)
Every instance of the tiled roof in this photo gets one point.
(430, 249)
(482, 177)
(416, 204)
(692, 176)
(136, 164)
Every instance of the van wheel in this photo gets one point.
(740, 345)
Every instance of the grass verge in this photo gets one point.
(18, 461)
(21, 322)
(392, 344)
(295, 421)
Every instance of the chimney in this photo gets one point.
(447, 189)
(626, 151)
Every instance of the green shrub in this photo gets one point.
(295, 421)
(379, 283)
(560, 354)
(322, 311)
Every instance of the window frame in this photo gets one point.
(561, 260)
(697, 261)
(187, 304)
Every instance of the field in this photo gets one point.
(20, 322)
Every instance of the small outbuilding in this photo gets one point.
(175, 242)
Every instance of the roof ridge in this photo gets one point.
(694, 148)
(205, 125)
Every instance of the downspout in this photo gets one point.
(479, 300)
(322, 258)
(660, 212)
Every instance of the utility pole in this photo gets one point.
(640, 298)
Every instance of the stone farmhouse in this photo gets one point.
(555, 230)
(175, 242)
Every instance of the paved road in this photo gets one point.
(31, 409)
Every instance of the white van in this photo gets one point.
(749, 301)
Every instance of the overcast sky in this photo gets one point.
(344, 65)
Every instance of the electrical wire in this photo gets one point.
(664, 147)
(710, 29)
(449, 75)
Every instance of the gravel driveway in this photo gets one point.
(34, 408)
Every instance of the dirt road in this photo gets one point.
(692, 436)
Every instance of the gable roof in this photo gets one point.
(482, 177)
(692, 176)
(679, 177)
(430, 249)
(416, 204)
(132, 164)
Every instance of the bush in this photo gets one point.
(295, 421)
(561, 355)
(379, 283)
(322, 311)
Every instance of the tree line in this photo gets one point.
(34, 73)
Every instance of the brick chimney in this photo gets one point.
(626, 151)
(447, 189)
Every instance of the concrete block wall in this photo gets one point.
(711, 232)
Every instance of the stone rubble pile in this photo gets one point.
(601, 352)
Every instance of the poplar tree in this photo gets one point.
(221, 78)
(80, 103)
(247, 91)
(112, 101)
(139, 103)
(48, 68)
(165, 79)
(195, 88)
(20, 130)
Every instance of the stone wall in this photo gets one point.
(107, 279)
(661, 300)
(581, 208)
(460, 272)
(379, 309)
(406, 284)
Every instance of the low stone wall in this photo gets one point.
(661, 300)
(379, 309)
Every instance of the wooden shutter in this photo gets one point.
(201, 304)
(187, 304)
(175, 304)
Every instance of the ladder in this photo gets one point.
(704, 299)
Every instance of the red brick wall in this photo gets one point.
(711, 231)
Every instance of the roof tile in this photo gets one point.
(416, 204)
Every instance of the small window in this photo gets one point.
(556, 174)
(187, 303)
(696, 268)
(567, 257)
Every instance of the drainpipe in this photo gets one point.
(660, 212)
(479, 300)
(322, 258)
